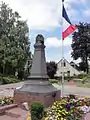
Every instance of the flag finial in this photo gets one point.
(62, 0)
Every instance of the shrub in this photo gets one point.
(71, 96)
(37, 111)
(82, 75)
(84, 79)
(1, 80)
(53, 81)
(8, 80)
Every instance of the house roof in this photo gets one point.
(75, 67)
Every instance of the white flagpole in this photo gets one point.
(73, 28)
(62, 82)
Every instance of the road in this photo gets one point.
(7, 90)
(68, 89)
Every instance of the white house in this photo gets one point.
(67, 68)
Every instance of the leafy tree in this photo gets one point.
(80, 43)
(14, 41)
(51, 69)
(82, 66)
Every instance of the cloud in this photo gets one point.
(87, 12)
(44, 14)
(70, 51)
(54, 42)
(75, 9)
(41, 14)
(56, 59)
(76, 1)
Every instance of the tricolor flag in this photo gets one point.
(68, 27)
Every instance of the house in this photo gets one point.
(74, 65)
(64, 66)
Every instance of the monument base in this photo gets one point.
(43, 92)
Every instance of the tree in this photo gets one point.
(14, 41)
(80, 43)
(82, 66)
(51, 69)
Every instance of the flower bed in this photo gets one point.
(69, 109)
(6, 101)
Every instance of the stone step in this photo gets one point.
(11, 114)
(2, 112)
(16, 113)
(6, 107)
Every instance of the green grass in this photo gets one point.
(87, 85)
(53, 81)
(77, 83)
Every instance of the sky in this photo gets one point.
(45, 17)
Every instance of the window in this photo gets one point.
(68, 73)
(64, 64)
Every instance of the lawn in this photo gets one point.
(86, 85)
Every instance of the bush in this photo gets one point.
(71, 96)
(82, 75)
(53, 81)
(84, 79)
(37, 111)
(1, 80)
(8, 80)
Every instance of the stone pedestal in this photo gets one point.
(45, 94)
(37, 88)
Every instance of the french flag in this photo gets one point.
(68, 27)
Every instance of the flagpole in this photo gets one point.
(62, 82)
(71, 28)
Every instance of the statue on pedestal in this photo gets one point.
(37, 86)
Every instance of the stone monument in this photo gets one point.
(37, 88)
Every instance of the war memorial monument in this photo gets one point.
(37, 87)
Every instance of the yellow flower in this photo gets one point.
(66, 112)
(54, 103)
(62, 118)
(86, 97)
(61, 107)
(28, 117)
